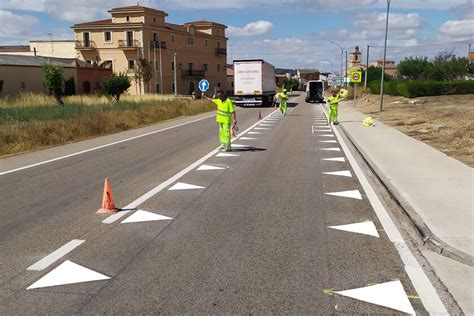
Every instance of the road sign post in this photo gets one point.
(356, 77)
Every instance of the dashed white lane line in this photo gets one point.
(330, 149)
(227, 155)
(254, 133)
(338, 159)
(261, 128)
(56, 255)
(68, 272)
(422, 284)
(209, 168)
(185, 186)
(132, 206)
(144, 216)
(248, 138)
(342, 173)
(328, 141)
(240, 146)
(102, 146)
(364, 228)
(326, 135)
(390, 294)
(352, 194)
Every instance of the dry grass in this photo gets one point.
(423, 120)
(33, 121)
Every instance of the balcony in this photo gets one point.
(188, 73)
(158, 44)
(85, 45)
(221, 51)
(126, 44)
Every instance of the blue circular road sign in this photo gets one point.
(203, 85)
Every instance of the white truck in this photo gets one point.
(254, 82)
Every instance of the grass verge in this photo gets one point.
(31, 122)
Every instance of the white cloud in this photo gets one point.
(251, 29)
(15, 25)
(458, 28)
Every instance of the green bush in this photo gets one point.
(116, 85)
(413, 89)
(54, 81)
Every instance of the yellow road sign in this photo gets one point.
(356, 76)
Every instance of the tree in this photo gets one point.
(375, 74)
(70, 86)
(143, 73)
(54, 81)
(116, 85)
(445, 66)
(416, 68)
(291, 84)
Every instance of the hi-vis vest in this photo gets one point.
(283, 96)
(334, 101)
(224, 111)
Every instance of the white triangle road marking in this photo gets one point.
(353, 194)
(184, 186)
(331, 149)
(67, 272)
(328, 141)
(247, 138)
(339, 159)
(343, 173)
(389, 294)
(365, 228)
(226, 155)
(209, 167)
(145, 216)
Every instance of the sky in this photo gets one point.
(287, 33)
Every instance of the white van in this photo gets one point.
(315, 91)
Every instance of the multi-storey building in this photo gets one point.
(137, 32)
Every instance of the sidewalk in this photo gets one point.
(435, 190)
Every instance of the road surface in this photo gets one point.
(246, 233)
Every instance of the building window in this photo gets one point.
(108, 37)
(127, 18)
(1, 85)
(172, 66)
(218, 67)
(131, 64)
(155, 37)
(232, 84)
(23, 86)
(190, 40)
(218, 44)
(190, 66)
(218, 32)
(172, 87)
(206, 43)
(206, 67)
(218, 84)
(89, 61)
(154, 19)
(157, 88)
(86, 37)
(172, 38)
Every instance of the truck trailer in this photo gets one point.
(254, 82)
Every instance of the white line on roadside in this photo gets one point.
(420, 281)
(55, 255)
(132, 206)
(102, 146)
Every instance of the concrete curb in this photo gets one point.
(427, 238)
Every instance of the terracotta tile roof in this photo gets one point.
(99, 22)
(176, 27)
(204, 22)
(136, 8)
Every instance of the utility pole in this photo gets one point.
(175, 79)
(366, 68)
(342, 57)
(161, 72)
(384, 57)
(345, 73)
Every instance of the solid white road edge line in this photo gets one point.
(422, 284)
(55, 255)
(102, 146)
(132, 206)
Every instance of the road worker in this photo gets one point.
(334, 105)
(283, 98)
(225, 115)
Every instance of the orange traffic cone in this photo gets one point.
(108, 204)
(259, 115)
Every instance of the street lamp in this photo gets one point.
(342, 57)
(384, 57)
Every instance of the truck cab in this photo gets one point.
(315, 91)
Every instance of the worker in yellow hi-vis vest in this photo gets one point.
(334, 105)
(225, 115)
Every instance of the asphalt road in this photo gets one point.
(253, 239)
